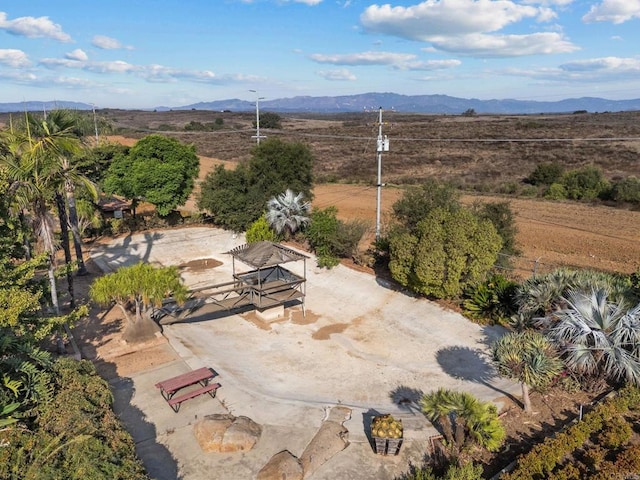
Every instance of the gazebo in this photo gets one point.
(270, 284)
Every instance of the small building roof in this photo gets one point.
(265, 254)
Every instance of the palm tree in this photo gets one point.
(527, 357)
(287, 212)
(472, 422)
(30, 187)
(598, 337)
(55, 138)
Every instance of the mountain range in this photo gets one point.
(434, 104)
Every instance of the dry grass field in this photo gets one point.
(479, 153)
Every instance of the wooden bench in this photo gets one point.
(175, 402)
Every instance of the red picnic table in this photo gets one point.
(169, 388)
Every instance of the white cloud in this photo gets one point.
(31, 27)
(363, 58)
(14, 58)
(468, 27)
(495, 46)
(308, 2)
(615, 11)
(444, 17)
(337, 75)
(107, 43)
(608, 65)
(429, 65)
(77, 54)
(594, 70)
(559, 3)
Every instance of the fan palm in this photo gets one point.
(527, 357)
(55, 138)
(598, 337)
(464, 420)
(287, 212)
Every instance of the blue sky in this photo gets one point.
(144, 53)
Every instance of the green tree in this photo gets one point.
(417, 202)
(236, 198)
(469, 421)
(504, 221)
(546, 173)
(287, 213)
(528, 358)
(143, 285)
(94, 162)
(158, 169)
(54, 139)
(269, 120)
(449, 251)
(627, 190)
(276, 166)
(597, 337)
(586, 183)
(230, 199)
(259, 231)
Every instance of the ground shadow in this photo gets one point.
(91, 333)
(407, 398)
(126, 252)
(367, 419)
(469, 364)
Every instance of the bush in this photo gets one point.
(493, 299)
(545, 174)
(586, 183)
(259, 231)
(627, 190)
(76, 435)
(556, 191)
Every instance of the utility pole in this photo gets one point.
(95, 123)
(382, 145)
(257, 136)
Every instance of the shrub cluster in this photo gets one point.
(75, 435)
(541, 461)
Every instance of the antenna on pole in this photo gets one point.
(382, 145)
(257, 136)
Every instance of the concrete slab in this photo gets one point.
(361, 344)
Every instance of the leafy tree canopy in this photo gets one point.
(449, 251)
(158, 169)
(417, 202)
(236, 198)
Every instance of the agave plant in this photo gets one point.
(596, 336)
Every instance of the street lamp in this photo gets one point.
(257, 135)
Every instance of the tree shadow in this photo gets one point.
(90, 334)
(471, 365)
(126, 252)
(407, 398)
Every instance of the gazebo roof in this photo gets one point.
(265, 254)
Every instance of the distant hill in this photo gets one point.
(436, 104)
(35, 106)
(442, 104)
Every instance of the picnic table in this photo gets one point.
(171, 386)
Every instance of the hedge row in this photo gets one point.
(542, 459)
